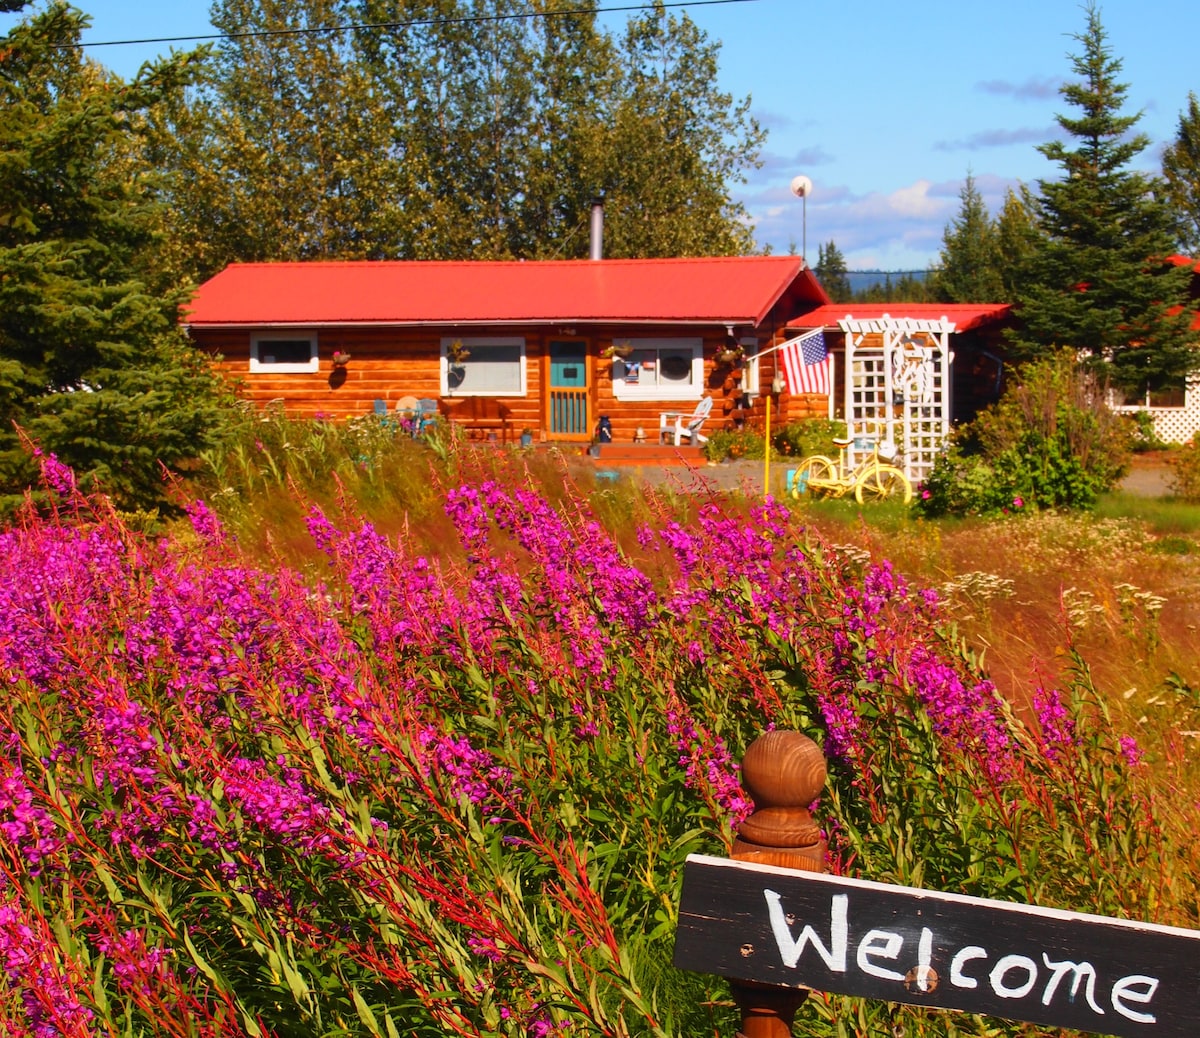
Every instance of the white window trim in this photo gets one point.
(258, 367)
(751, 377)
(481, 340)
(640, 391)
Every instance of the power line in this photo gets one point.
(366, 26)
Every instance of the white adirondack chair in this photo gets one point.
(680, 426)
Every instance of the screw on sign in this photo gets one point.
(775, 926)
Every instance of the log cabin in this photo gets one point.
(551, 346)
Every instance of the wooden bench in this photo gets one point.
(482, 413)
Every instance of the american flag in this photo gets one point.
(806, 363)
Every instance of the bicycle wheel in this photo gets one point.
(880, 482)
(816, 469)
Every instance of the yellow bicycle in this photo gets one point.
(872, 479)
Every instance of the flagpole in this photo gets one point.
(767, 451)
(767, 432)
(832, 383)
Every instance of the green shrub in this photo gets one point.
(791, 440)
(1050, 442)
(1185, 472)
(1144, 436)
(814, 436)
(734, 445)
(963, 483)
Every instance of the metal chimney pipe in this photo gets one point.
(596, 230)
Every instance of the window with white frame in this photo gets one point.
(483, 366)
(284, 352)
(660, 369)
(1173, 394)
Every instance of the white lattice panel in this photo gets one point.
(1174, 424)
(897, 387)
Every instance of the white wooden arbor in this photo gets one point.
(898, 386)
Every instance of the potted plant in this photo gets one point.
(731, 354)
(340, 358)
(526, 437)
(456, 371)
(617, 349)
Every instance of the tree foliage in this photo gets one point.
(969, 264)
(92, 367)
(906, 287)
(1097, 282)
(831, 272)
(1181, 171)
(453, 130)
(1017, 238)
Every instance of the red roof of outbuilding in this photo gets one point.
(1185, 261)
(964, 315)
(738, 289)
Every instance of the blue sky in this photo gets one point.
(884, 106)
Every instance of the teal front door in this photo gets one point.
(569, 419)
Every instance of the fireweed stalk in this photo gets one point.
(455, 794)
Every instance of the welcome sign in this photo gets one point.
(1063, 969)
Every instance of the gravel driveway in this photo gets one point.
(1149, 476)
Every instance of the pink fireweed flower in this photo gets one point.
(471, 773)
(135, 966)
(205, 522)
(485, 948)
(280, 806)
(1057, 725)
(58, 477)
(964, 712)
(33, 964)
(24, 825)
(708, 765)
(1130, 750)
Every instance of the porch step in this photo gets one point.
(633, 454)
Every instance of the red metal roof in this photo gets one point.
(739, 289)
(964, 315)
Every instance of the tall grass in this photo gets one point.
(446, 782)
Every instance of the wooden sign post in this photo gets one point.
(784, 773)
(778, 931)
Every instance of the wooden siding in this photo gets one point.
(390, 363)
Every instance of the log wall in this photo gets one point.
(390, 363)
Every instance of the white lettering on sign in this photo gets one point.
(957, 977)
(1082, 970)
(1005, 966)
(1122, 991)
(1011, 976)
(924, 958)
(885, 945)
(790, 949)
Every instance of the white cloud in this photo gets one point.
(901, 229)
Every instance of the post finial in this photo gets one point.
(784, 772)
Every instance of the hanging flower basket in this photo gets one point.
(617, 349)
(340, 359)
(730, 355)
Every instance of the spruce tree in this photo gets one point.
(969, 265)
(92, 365)
(831, 272)
(1181, 171)
(1098, 283)
(1017, 238)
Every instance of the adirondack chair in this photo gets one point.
(679, 426)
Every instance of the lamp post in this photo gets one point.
(802, 188)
